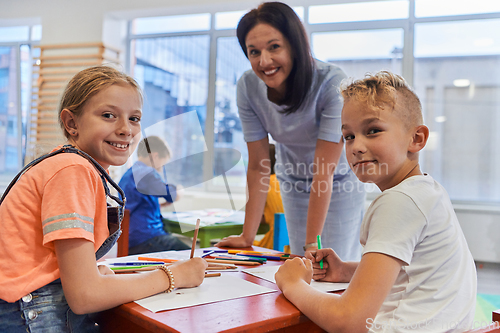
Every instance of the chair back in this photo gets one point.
(122, 243)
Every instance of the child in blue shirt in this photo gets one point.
(143, 186)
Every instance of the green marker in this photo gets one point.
(319, 248)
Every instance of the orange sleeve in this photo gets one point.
(69, 204)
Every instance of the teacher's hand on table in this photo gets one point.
(189, 273)
(293, 271)
(234, 241)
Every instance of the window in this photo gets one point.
(459, 88)
(228, 20)
(173, 72)
(432, 8)
(369, 51)
(191, 66)
(15, 80)
(231, 64)
(165, 24)
(362, 11)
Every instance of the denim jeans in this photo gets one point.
(159, 244)
(45, 310)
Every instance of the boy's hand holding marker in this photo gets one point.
(333, 267)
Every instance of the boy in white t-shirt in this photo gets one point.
(416, 273)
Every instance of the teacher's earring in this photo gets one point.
(73, 132)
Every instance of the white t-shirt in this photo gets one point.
(435, 290)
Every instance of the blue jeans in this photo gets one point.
(45, 310)
(159, 244)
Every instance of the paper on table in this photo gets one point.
(214, 289)
(208, 216)
(267, 273)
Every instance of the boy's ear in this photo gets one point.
(68, 119)
(419, 139)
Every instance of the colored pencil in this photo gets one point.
(133, 269)
(221, 268)
(195, 237)
(236, 262)
(275, 254)
(319, 248)
(158, 259)
(136, 263)
(211, 274)
(238, 257)
(263, 256)
(207, 253)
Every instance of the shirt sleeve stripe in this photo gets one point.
(68, 224)
(66, 216)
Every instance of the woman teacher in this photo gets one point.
(296, 100)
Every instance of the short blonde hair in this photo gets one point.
(386, 89)
(88, 83)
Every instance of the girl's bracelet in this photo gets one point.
(170, 277)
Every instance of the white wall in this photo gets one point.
(79, 21)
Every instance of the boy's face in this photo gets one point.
(160, 161)
(376, 144)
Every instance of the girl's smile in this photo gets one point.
(108, 125)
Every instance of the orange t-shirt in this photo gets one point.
(62, 197)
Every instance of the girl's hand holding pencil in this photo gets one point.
(189, 273)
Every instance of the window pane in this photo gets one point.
(464, 38)
(300, 12)
(362, 11)
(358, 52)
(228, 20)
(14, 34)
(26, 91)
(428, 8)
(231, 64)
(165, 24)
(9, 143)
(173, 73)
(36, 32)
(460, 93)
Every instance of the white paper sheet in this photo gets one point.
(207, 217)
(267, 273)
(214, 289)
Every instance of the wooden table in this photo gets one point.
(207, 233)
(270, 312)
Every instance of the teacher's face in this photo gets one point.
(270, 55)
